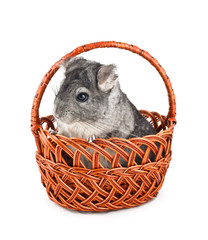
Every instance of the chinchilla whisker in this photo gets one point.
(54, 89)
(84, 123)
(102, 126)
(101, 129)
(111, 125)
(93, 126)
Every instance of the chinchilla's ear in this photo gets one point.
(107, 77)
(73, 63)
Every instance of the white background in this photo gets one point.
(34, 35)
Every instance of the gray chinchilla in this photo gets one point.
(90, 104)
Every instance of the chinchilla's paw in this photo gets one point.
(53, 132)
(91, 138)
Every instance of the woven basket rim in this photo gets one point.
(115, 143)
(159, 133)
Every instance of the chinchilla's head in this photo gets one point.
(88, 93)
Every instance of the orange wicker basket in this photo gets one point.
(69, 184)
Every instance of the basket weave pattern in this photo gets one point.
(71, 185)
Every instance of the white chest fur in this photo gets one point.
(78, 129)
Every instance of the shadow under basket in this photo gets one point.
(71, 185)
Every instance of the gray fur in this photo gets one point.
(107, 112)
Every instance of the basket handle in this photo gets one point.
(35, 121)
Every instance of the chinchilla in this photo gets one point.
(90, 104)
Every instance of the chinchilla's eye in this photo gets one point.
(82, 97)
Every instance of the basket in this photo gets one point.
(69, 184)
